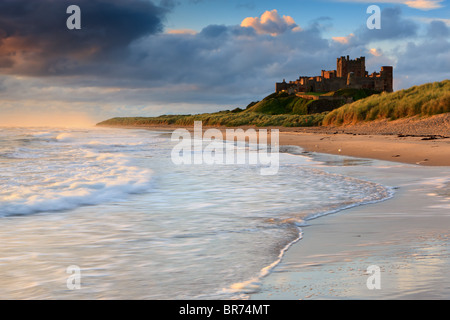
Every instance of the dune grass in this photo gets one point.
(224, 118)
(424, 100)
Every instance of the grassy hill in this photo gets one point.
(424, 100)
(283, 103)
(355, 94)
(292, 111)
(280, 103)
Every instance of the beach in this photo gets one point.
(406, 236)
(112, 203)
(224, 150)
(423, 141)
(408, 149)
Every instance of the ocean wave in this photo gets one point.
(72, 193)
(51, 177)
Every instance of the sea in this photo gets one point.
(103, 213)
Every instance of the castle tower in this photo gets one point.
(344, 66)
(387, 74)
(280, 86)
(341, 67)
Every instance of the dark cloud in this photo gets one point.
(213, 31)
(35, 37)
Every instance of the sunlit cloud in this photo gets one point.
(416, 4)
(424, 4)
(344, 40)
(375, 52)
(271, 23)
(182, 31)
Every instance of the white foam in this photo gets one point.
(65, 137)
(61, 196)
(253, 285)
(52, 178)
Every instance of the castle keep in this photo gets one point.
(348, 74)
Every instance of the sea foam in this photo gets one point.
(63, 175)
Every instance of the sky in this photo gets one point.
(147, 58)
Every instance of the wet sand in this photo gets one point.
(407, 237)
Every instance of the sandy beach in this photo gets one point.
(413, 149)
(408, 149)
(414, 141)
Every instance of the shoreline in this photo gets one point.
(406, 236)
(421, 149)
(252, 288)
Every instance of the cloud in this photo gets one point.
(393, 27)
(270, 23)
(182, 31)
(423, 5)
(344, 40)
(438, 29)
(423, 62)
(34, 39)
(375, 52)
(214, 31)
(429, 20)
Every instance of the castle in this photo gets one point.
(348, 74)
